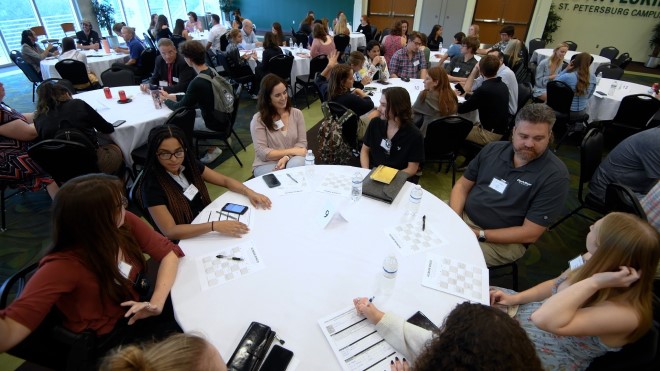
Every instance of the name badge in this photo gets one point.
(278, 124)
(124, 268)
(162, 83)
(456, 69)
(416, 63)
(386, 144)
(498, 184)
(576, 263)
(190, 192)
(175, 79)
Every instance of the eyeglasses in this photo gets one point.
(168, 155)
(417, 43)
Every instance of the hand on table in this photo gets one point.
(398, 365)
(360, 93)
(141, 309)
(281, 164)
(625, 277)
(231, 228)
(164, 96)
(259, 200)
(144, 88)
(502, 298)
(366, 308)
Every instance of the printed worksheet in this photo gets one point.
(337, 183)
(412, 238)
(228, 264)
(456, 278)
(355, 342)
(293, 182)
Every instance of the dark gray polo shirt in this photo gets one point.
(457, 67)
(536, 191)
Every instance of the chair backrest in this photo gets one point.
(610, 71)
(317, 65)
(301, 38)
(620, 198)
(27, 68)
(15, 284)
(114, 77)
(224, 42)
(534, 44)
(177, 39)
(524, 95)
(148, 40)
(620, 59)
(281, 65)
(625, 63)
(64, 159)
(386, 31)
(572, 46)
(38, 31)
(444, 137)
(374, 31)
(560, 96)
(636, 110)
(377, 36)
(341, 42)
(68, 27)
(136, 197)
(591, 154)
(184, 119)
(64, 82)
(73, 70)
(148, 59)
(609, 52)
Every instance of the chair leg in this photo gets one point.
(239, 139)
(34, 88)
(3, 211)
(306, 98)
(453, 173)
(232, 152)
(565, 217)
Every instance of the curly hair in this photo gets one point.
(478, 337)
(49, 97)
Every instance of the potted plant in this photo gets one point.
(104, 15)
(551, 25)
(225, 6)
(654, 42)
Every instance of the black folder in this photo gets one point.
(381, 191)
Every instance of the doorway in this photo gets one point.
(492, 15)
(383, 13)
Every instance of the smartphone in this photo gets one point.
(118, 123)
(459, 88)
(405, 79)
(235, 208)
(277, 360)
(370, 88)
(271, 181)
(383, 82)
(421, 320)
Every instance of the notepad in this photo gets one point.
(384, 174)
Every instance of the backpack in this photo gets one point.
(74, 135)
(333, 150)
(223, 101)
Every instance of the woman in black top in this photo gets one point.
(162, 28)
(306, 25)
(271, 49)
(435, 38)
(365, 28)
(339, 90)
(276, 29)
(239, 64)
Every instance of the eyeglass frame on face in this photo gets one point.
(417, 43)
(179, 153)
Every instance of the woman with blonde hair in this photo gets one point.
(578, 77)
(548, 70)
(474, 31)
(516, 53)
(341, 27)
(570, 319)
(436, 101)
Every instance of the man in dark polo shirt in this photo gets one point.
(171, 72)
(461, 65)
(87, 38)
(512, 191)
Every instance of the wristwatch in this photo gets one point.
(482, 236)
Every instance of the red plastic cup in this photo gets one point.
(107, 92)
(122, 96)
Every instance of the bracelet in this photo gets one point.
(212, 230)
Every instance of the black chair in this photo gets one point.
(115, 77)
(235, 75)
(620, 198)
(524, 95)
(29, 71)
(316, 66)
(641, 355)
(224, 42)
(301, 38)
(571, 45)
(534, 44)
(377, 36)
(513, 266)
(222, 135)
(374, 31)
(443, 139)
(137, 199)
(281, 65)
(609, 52)
(183, 118)
(560, 97)
(633, 116)
(386, 31)
(349, 128)
(76, 72)
(64, 159)
(341, 43)
(149, 41)
(177, 39)
(54, 80)
(591, 152)
(148, 59)
(625, 63)
(621, 59)
(610, 71)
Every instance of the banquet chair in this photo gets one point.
(641, 355)
(301, 38)
(610, 71)
(621, 59)
(148, 59)
(341, 43)
(68, 27)
(137, 198)
(148, 41)
(386, 31)
(534, 44)
(443, 138)
(176, 40)
(29, 71)
(54, 80)
(618, 197)
(591, 153)
(41, 31)
(224, 135)
(571, 45)
(281, 65)
(76, 72)
(64, 159)
(560, 97)
(316, 66)
(377, 37)
(4, 185)
(609, 52)
(224, 42)
(115, 77)
(374, 31)
(633, 116)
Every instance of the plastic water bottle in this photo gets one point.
(356, 190)
(309, 163)
(290, 42)
(388, 278)
(613, 87)
(598, 77)
(414, 200)
(440, 46)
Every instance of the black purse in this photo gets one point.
(252, 348)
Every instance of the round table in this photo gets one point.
(312, 272)
(141, 116)
(97, 61)
(605, 107)
(434, 58)
(541, 54)
(357, 39)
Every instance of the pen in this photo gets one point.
(424, 223)
(292, 178)
(229, 257)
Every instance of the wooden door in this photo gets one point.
(383, 13)
(492, 15)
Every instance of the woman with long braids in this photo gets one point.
(174, 191)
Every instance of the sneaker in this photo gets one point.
(211, 156)
(254, 96)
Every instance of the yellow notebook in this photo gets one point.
(384, 174)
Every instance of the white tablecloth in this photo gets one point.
(202, 37)
(300, 62)
(357, 39)
(434, 58)
(605, 108)
(141, 116)
(311, 273)
(97, 62)
(541, 54)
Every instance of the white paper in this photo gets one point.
(339, 184)
(324, 215)
(457, 278)
(293, 182)
(409, 238)
(213, 271)
(355, 342)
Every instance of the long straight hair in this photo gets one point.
(447, 100)
(398, 105)
(85, 215)
(338, 75)
(555, 60)
(581, 67)
(624, 240)
(265, 105)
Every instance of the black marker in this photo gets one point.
(424, 223)
(229, 257)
